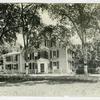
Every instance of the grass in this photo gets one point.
(25, 85)
(49, 88)
(21, 78)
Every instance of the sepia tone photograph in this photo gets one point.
(50, 49)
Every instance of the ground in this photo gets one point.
(48, 88)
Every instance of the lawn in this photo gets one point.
(50, 88)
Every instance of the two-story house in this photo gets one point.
(48, 58)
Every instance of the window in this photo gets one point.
(9, 58)
(15, 66)
(36, 55)
(15, 57)
(47, 43)
(42, 67)
(26, 65)
(8, 67)
(29, 56)
(54, 54)
(54, 63)
(52, 44)
(44, 54)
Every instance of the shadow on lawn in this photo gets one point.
(31, 81)
(36, 82)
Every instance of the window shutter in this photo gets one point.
(33, 55)
(51, 64)
(50, 54)
(51, 44)
(38, 55)
(30, 56)
(57, 64)
(57, 53)
(45, 43)
(29, 65)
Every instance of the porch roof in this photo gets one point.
(11, 53)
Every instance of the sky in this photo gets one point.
(48, 21)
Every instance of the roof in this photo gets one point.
(11, 53)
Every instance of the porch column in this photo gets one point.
(38, 67)
(20, 65)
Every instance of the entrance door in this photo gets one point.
(42, 67)
(35, 68)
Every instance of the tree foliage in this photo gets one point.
(8, 23)
(81, 18)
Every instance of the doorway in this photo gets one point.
(42, 67)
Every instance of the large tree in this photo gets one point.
(29, 24)
(81, 18)
(8, 23)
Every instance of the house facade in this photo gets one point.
(48, 59)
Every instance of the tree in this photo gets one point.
(30, 26)
(8, 23)
(81, 18)
(28, 20)
(19, 17)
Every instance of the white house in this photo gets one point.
(47, 59)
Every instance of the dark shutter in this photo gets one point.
(50, 64)
(33, 55)
(57, 64)
(30, 56)
(46, 54)
(50, 43)
(38, 55)
(45, 43)
(29, 65)
(50, 54)
(57, 53)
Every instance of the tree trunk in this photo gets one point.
(84, 48)
(85, 60)
(25, 43)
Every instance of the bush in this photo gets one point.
(80, 70)
(97, 70)
(92, 70)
